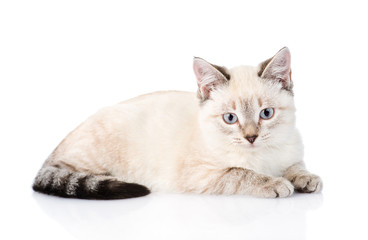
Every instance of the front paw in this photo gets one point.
(277, 187)
(307, 183)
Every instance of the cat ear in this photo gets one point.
(278, 68)
(209, 76)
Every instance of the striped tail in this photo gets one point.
(65, 183)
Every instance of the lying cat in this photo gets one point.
(236, 136)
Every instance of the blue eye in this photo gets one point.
(266, 113)
(230, 118)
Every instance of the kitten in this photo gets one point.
(237, 136)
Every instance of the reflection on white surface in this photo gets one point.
(168, 216)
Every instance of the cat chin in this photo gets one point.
(252, 147)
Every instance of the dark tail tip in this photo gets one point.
(112, 189)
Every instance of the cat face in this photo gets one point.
(246, 107)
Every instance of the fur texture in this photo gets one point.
(179, 142)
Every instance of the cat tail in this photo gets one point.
(66, 183)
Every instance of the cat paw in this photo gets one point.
(277, 187)
(307, 183)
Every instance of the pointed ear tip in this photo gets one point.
(285, 49)
(196, 59)
(198, 63)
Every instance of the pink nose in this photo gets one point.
(251, 139)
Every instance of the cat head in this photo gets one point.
(246, 107)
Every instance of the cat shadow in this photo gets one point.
(176, 216)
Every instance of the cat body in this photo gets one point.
(184, 142)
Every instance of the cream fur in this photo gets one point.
(146, 140)
(169, 141)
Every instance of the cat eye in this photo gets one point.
(266, 113)
(230, 118)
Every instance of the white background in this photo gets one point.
(60, 61)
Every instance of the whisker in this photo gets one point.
(236, 141)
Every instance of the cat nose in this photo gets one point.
(251, 139)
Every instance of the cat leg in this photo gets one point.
(302, 180)
(244, 181)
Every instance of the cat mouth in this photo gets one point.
(243, 143)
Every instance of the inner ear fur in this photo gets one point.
(209, 77)
(278, 69)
